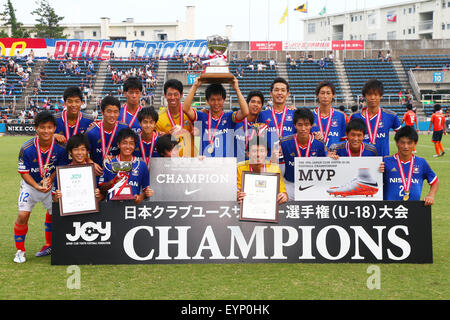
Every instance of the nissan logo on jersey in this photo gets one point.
(192, 179)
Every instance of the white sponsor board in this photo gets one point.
(349, 178)
(306, 45)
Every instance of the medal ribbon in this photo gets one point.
(133, 119)
(172, 122)
(319, 122)
(308, 148)
(141, 144)
(279, 127)
(66, 124)
(248, 136)
(263, 169)
(372, 134)
(39, 156)
(406, 182)
(361, 150)
(105, 149)
(211, 136)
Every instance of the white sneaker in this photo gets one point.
(20, 257)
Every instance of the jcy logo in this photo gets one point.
(90, 231)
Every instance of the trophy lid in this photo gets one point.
(217, 44)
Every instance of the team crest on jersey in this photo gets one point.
(34, 160)
(289, 118)
(314, 153)
(394, 170)
(334, 123)
(224, 121)
(381, 124)
(135, 172)
(416, 169)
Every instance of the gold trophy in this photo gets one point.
(217, 70)
(121, 190)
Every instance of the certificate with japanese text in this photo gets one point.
(77, 186)
(260, 201)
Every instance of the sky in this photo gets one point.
(254, 20)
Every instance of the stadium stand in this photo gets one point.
(304, 77)
(253, 79)
(359, 71)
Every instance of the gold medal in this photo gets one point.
(406, 196)
(210, 149)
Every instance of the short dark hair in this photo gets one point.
(373, 85)
(354, 108)
(409, 106)
(165, 143)
(174, 84)
(44, 117)
(148, 112)
(303, 113)
(437, 107)
(357, 125)
(215, 88)
(127, 133)
(407, 132)
(72, 92)
(325, 83)
(342, 108)
(76, 141)
(255, 93)
(109, 101)
(132, 83)
(279, 80)
(258, 141)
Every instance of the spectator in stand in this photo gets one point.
(111, 55)
(293, 63)
(3, 71)
(261, 66)
(388, 56)
(272, 64)
(331, 56)
(321, 64)
(251, 66)
(249, 57)
(240, 71)
(10, 65)
(288, 58)
(310, 58)
(89, 77)
(446, 67)
(380, 56)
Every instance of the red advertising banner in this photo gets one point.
(266, 45)
(11, 46)
(348, 45)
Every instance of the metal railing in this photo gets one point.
(414, 85)
(426, 25)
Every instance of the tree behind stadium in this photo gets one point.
(9, 16)
(48, 21)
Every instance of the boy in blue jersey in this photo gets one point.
(71, 120)
(378, 120)
(246, 130)
(147, 138)
(138, 178)
(301, 144)
(38, 159)
(216, 136)
(132, 90)
(102, 135)
(404, 172)
(332, 122)
(279, 118)
(354, 146)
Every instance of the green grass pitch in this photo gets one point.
(37, 279)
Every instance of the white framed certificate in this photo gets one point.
(77, 185)
(260, 201)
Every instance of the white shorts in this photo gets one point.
(290, 190)
(29, 196)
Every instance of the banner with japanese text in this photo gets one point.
(211, 232)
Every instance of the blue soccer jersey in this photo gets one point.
(29, 159)
(335, 126)
(218, 142)
(393, 186)
(81, 126)
(388, 120)
(285, 129)
(138, 177)
(129, 118)
(149, 148)
(95, 142)
(289, 148)
(342, 149)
